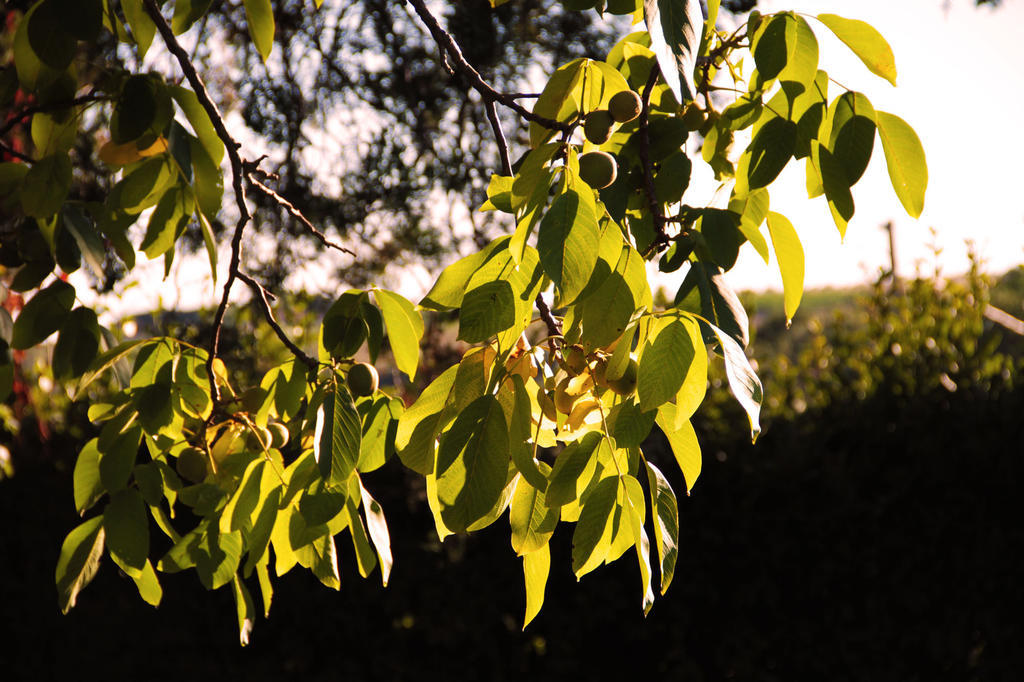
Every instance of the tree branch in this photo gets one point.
(476, 81)
(237, 169)
(294, 212)
(268, 313)
(554, 330)
(499, 136)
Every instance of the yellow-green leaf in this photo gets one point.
(260, 17)
(790, 254)
(536, 566)
(866, 42)
(79, 560)
(904, 156)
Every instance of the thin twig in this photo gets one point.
(262, 295)
(232, 147)
(644, 148)
(296, 213)
(476, 81)
(499, 137)
(11, 151)
(52, 106)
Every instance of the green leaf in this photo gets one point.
(260, 16)
(666, 523)
(536, 566)
(366, 560)
(705, 292)
(77, 344)
(88, 486)
(472, 463)
(769, 152)
(851, 120)
(200, 121)
(556, 99)
(904, 156)
(188, 12)
(46, 186)
(676, 27)
(321, 557)
(789, 252)
(683, 441)
(79, 560)
(420, 423)
(592, 537)
(237, 514)
(752, 207)
(217, 556)
(127, 530)
(90, 243)
(567, 243)
(167, 222)
(42, 315)
(628, 424)
(405, 329)
(450, 287)
(573, 469)
(487, 310)
(664, 363)
(244, 608)
(607, 311)
(33, 72)
(143, 185)
(47, 34)
(635, 511)
(338, 436)
(743, 382)
(866, 42)
(259, 537)
(499, 194)
(835, 184)
(207, 181)
(380, 426)
(149, 585)
(377, 526)
(533, 522)
(143, 28)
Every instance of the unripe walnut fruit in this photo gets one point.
(192, 464)
(597, 126)
(362, 379)
(625, 106)
(598, 169)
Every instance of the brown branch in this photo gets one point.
(232, 147)
(43, 108)
(499, 136)
(554, 330)
(295, 213)
(476, 81)
(262, 295)
(14, 153)
(644, 149)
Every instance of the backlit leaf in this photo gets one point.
(789, 252)
(676, 28)
(866, 42)
(904, 156)
(79, 560)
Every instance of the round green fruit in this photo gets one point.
(598, 169)
(626, 384)
(362, 379)
(278, 435)
(597, 126)
(625, 106)
(192, 464)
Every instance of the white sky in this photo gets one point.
(960, 85)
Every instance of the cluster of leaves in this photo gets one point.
(548, 430)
